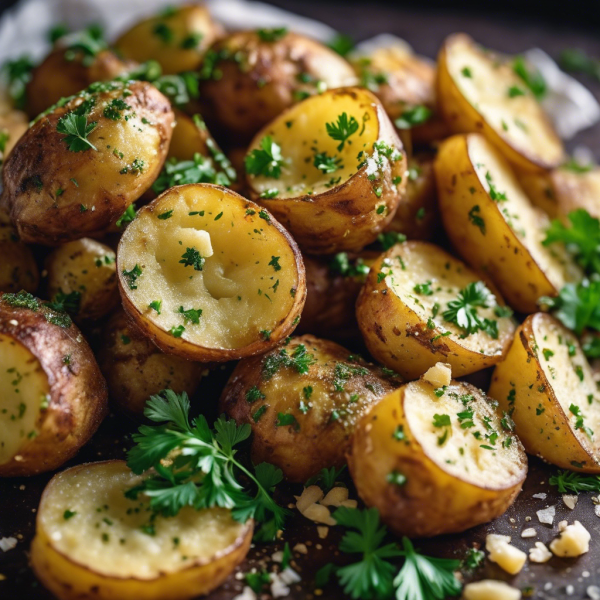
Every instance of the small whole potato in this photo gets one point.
(303, 400)
(86, 271)
(18, 269)
(136, 369)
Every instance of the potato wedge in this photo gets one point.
(89, 541)
(547, 385)
(136, 369)
(58, 187)
(436, 461)
(52, 394)
(250, 77)
(405, 313)
(332, 195)
(18, 269)
(302, 401)
(84, 274)
(493, 225)
(210, 276)
(176, 38)
(479, 92)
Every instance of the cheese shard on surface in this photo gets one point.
(489, 589)
(539, 553)
(439, 375)
(507, 557)
(574, 540)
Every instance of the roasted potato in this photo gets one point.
(52, 394)
(547, 386)
(250, 77)
(302, 401)
(208, 275)
(83, 274)
(436, 460)
(62, 183)
(493, 225)
(136, 369)
(331, 169)
(18, 269)
(478, 91)
(90, 541)
(409, 312)
(176, 38)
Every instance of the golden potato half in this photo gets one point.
(61, 184)
(548, 386)
(436, 461)
(479, 92)
(52, 394)
(331, 169)
(176, 38)
(209, 275)
(93, 542)
(303, 400)
(493, 225)
(405, 313)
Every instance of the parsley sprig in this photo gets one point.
(190, 464)
(76, 130)
(265, 160)
(571, 482)
(463, 311)
(342, 129)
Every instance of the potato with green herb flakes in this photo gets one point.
(420, 306)
(548, 387)
(493, 225)
(210, 276)
(331, 169)
(80, 166)
(52, 394)
(479, 92)
(303, 400)
(93, 541)
(18, 269)
(176, 38)
(436, 460)
(82, 278)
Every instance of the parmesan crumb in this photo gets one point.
(7, 543)
(530, 532)
(439, 375)
(539, 553)
(574, 540)
(247, 594)
(488, 589)
(335, 497)
(507, 557)
(570, 500)
(322, 531)
(300, 548)
(546, 515)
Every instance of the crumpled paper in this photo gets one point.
(24, 29)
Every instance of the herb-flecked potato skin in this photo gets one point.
(302, 422)
(55, 195)
(210, 276)
(177, 38)
(337, 210)
(507, 113)
(548, 386)
(50, 383)
(87, 268)
(249, 81)
(136, 369)
(493, 225)
(401, 313)
(18, 269)
(428, 480)
(83, 557)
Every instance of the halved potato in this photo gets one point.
(209, 275)
(58, 187)
(90, 541)
(176, 38)
(302, 401)
(494, 226)
(84, 269)
(478, 91)
(18, 269)
(136, 369)
(52, 394)
(404, 309)
(548, 387)
(436, 460)
(339, 174)
(250, 77)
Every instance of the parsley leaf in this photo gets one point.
(265, 160)
(191, 258)
(325, 478)
(76, 129)
(191, 314)
(569, 481)
(18, 74)
(578, 61)
(414, 116)
(577, 306)
(387, 239)
(342, 129)
(272, 35)
(342, 265)
(463, 311)
(66, 302)
(341, 43)
(326, 163)
(532, 78)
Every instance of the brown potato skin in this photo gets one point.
(78, 394)
(137, 369)
(237, 104)
(42, 155)
(56, 77)
(18, 269)
(432, 502)
(320, 442)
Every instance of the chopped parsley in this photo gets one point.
(191, 258)
(342, 129)
(463, 311)
(266, 160)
